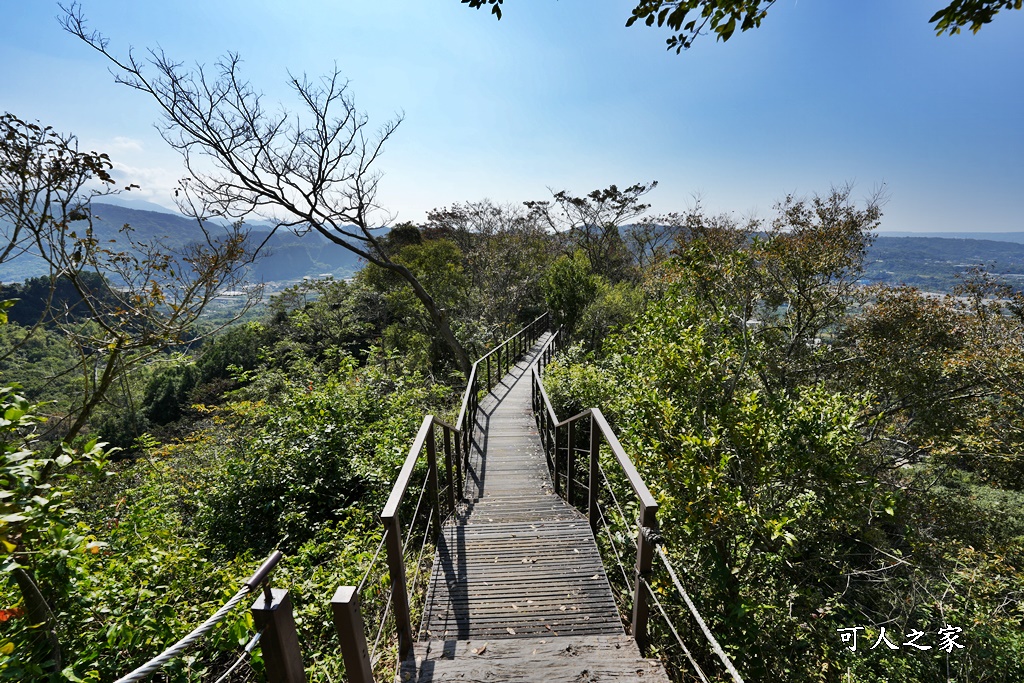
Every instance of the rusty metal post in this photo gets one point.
(448, 468)
(435, 496)
(595, 474)
(399, 589)
(279, 643)
(644, 560)
(348, 622)
(570, 462)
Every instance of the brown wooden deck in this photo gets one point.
(517, 590)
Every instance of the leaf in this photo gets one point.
(480, 650)
(511, 631)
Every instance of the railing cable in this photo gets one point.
(615, 549)
(380, 629)
(419, 558)
(671, 626)
(369, 568)
(700, 621)
(608, 485)
(416, 512)
(249, 647)
(154, 665)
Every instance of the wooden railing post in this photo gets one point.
(279, 643)
(348, 622)
(399, 589)
(448, 467)
(644, 559)
(595, 474)
(435, 492)
(570, 462)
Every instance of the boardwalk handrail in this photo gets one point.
(551, 430)
(458, 438)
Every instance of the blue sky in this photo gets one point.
(559, 94)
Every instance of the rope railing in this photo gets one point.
(566, 463)
(257, 580)
(443, 485)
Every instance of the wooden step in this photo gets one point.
(579, 659)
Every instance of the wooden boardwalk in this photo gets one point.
(518, 591)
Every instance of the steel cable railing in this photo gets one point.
(675, 632)
(258, 579)
(246, 652)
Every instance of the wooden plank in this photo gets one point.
(552, 659)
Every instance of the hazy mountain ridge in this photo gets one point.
(285, 256)
(930, 261)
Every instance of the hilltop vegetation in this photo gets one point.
(826, 456)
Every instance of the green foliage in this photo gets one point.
(308, 457)
(38, 534)
(613, 307)
(690, 18)
(822, 461)
(569, 286)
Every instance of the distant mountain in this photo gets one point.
(285, 258)
(127, 202)
(1016, 237)
(934, 263)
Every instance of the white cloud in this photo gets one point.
(124, 144)
(155, 184)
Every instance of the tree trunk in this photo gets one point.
(438, 316)
(38, 612)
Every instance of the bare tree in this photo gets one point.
(130, 299)
(312, 170)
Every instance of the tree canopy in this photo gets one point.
(691, 18)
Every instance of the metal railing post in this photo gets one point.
(644, 559)
(435, 492)
(570, 462)
(399, 590)
(554, 460)
(279, 643)
(595, 473)
(348, 622)
(488, 371)
(448, 467)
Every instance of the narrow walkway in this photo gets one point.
(518, 591)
